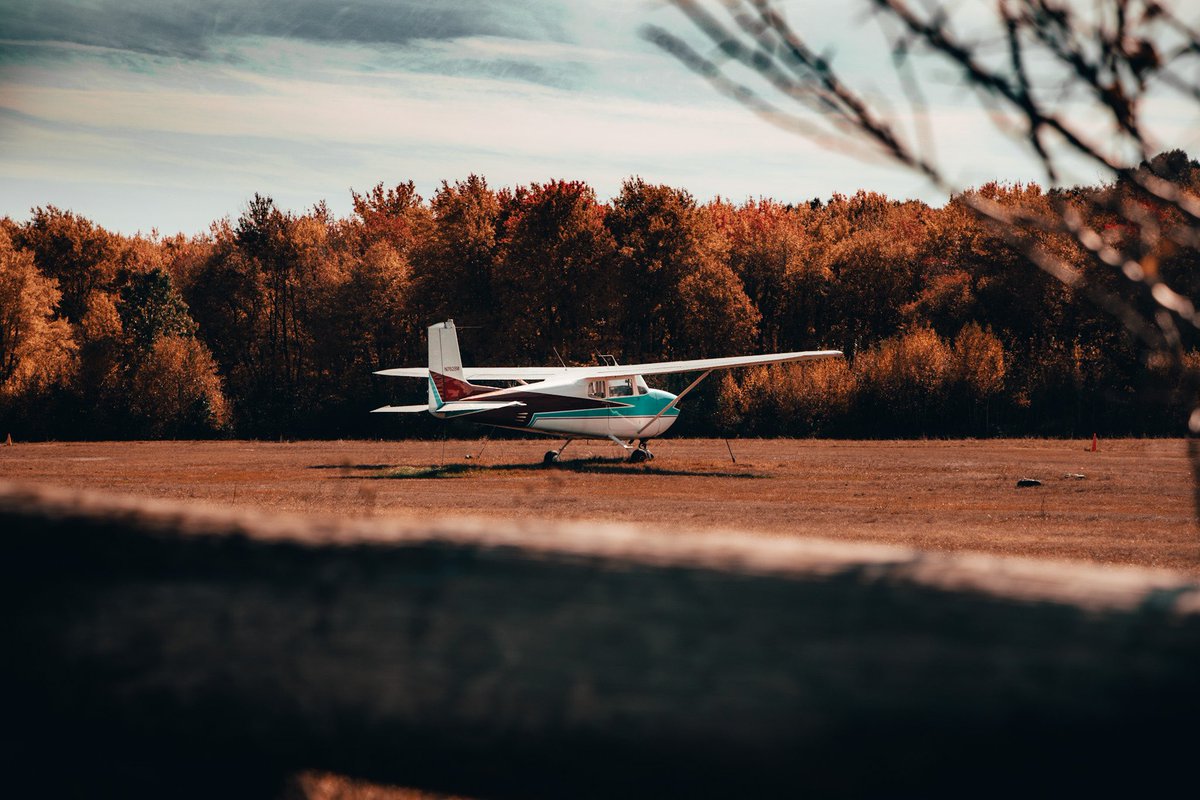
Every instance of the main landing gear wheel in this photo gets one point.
(640, 456)
(551, 456)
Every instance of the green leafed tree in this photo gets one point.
(151, 308)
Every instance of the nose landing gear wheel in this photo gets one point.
(640, 456)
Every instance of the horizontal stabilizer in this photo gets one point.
(405, 372)
(475, 406)
(401, 409)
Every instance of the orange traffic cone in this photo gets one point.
(1093, 442)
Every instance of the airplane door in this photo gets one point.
(621, 422)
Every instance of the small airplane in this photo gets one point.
(607, 401)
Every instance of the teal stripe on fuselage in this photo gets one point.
(437, 397)
(642, 405)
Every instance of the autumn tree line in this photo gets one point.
(271, 324)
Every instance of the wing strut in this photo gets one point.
(674, 402)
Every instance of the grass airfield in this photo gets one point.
(1132, 505)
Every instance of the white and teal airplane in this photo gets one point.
(607, 401)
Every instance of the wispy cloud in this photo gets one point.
(190, 29)
(170, 113)
(304, 111)
(409, 110)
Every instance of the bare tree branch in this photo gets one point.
(1106, 58)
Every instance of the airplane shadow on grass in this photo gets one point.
(350, 466)
(593, 465)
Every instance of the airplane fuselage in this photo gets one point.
(605, 401)
(596, 409)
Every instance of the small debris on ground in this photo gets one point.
(1028, 482)
(1075, 476)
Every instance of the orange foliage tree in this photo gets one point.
(79, 255)
(37, 351)
(176, 389)
(554, 277)
(682, 298)
(946, 329)
(452, 268)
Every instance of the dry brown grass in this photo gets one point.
(1133, 507)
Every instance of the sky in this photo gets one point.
(169, 114)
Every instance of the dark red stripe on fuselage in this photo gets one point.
(517, 416)
(455, 388)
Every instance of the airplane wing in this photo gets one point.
(486, 373)
(514, 373)
(621, 371)
(400, 409)
(703, 364)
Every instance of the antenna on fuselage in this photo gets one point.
(556, 355)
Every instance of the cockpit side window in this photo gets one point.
(621, 388)
(596, 389)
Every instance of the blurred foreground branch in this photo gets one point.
(1071, 81)
(159, 649)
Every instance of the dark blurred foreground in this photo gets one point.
(159, 650)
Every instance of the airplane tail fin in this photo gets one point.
(446, 382)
